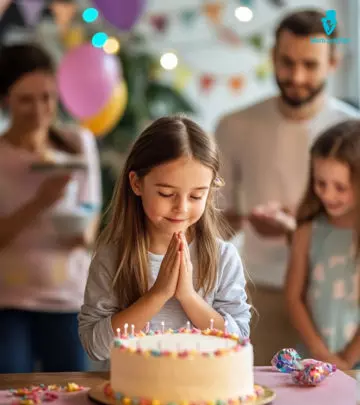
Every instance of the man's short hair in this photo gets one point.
(305, 23)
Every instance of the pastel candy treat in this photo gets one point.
(286, 360)
(50, 396)
(311, 375)
(308, 372)
(328, 368)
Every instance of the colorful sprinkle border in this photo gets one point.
(184, 354)
(38, 394)
(124, 400)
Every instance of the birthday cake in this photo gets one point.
(186, 366)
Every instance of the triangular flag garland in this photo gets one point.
(228, 35)
(159, 22)
(207, 81)
(245, 3)
(30, 10)
(187, 17)
(236, 83)
(277, 3)
(263, 70)
(182, 77)
(213, 11)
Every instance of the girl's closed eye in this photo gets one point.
(320, 183)
(194, 197)
(341, 188)
(164, 195)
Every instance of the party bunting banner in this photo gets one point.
(159, 22)
(235, 83)
(213, 11)
(188, 17)
(182, 77)
(207, 82)
(228, 35)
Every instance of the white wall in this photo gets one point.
(219, 58)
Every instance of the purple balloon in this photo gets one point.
(122, 14)
(86, 79)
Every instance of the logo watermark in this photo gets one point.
(329, 23)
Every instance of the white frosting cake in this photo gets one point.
(182, 366)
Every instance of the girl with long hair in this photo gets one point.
(322, 286)
(161, 257)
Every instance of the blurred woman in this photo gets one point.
(43, 270)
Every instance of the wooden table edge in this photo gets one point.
(87, 379)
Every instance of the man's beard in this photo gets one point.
(299, 102)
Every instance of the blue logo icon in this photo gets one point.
(329, 22)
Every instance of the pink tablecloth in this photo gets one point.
(339, 389)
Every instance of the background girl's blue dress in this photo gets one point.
(333, 284)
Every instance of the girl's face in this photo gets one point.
(332, 184)
(174, 194)
(32, 100)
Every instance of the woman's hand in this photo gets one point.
(167, 278)
(340, 363)
(185, 286)
(326, 356)
(272, 220)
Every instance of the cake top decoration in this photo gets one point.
(213, 342)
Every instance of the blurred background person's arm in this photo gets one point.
(230, 201)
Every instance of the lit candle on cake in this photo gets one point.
(117, 340)
(211, 324)
(162, 327)
(125, 329)
(225, 326)
(132, 329)
(188, 325)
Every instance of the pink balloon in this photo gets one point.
(86, 79)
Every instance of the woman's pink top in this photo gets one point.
(37, 272)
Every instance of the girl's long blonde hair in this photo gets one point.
(341, 143)
(166, 139)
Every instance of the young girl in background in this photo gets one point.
(160, 258)
(322, 286)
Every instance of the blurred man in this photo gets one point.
(265, 165)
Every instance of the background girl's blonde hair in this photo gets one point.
(341, 143)
(166, 139)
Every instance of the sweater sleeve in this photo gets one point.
(100, 304)
(230, 298)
